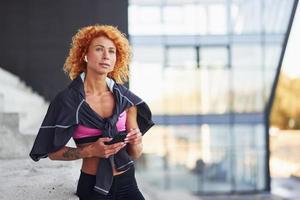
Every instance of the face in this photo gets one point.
(101, 56)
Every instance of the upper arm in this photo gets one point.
(131, 121)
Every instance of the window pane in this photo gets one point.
(214, 57)
(144, 20)
(247, 56)
(246, 17)
(183, 57)
(248, 90)
(217, 19)
(149, 54)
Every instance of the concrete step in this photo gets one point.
(13, 144)
(17, 97)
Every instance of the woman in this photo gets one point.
(94, 109)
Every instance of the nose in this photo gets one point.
(106, 54)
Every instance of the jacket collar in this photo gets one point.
(109, 82)
(77, 84)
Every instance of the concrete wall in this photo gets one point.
(35, 36)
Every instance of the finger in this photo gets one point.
(133, 137)
(112, 151)
(116, 145)
(133, 133)
(105, 139)
(121, 147)
(134, 141)
(109, 152)
(130, 139)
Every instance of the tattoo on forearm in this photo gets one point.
(71, 153)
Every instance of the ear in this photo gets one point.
(85, 58)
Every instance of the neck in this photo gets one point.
(95, 85)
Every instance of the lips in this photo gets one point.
(104, 64)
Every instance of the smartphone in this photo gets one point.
(120, 137)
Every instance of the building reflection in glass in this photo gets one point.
(206, 68)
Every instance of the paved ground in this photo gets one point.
(24, 179)
(49, 180)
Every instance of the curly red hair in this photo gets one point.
(75, 63)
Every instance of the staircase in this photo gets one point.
(21, 114)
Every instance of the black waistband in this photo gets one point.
(128, 172)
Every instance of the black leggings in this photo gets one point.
(124, 187)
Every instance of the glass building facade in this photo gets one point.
(206, 69)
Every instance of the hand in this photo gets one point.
(134, 137)
(99, 149)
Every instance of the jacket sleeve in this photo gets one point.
(144, 115)
(56, 130)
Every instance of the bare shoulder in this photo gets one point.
(131, 110)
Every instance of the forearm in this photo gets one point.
(70, 153)
(135, 150)
(134, 138)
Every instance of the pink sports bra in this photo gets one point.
(84, 134)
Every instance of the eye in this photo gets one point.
(99, 49)
(112, 51)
